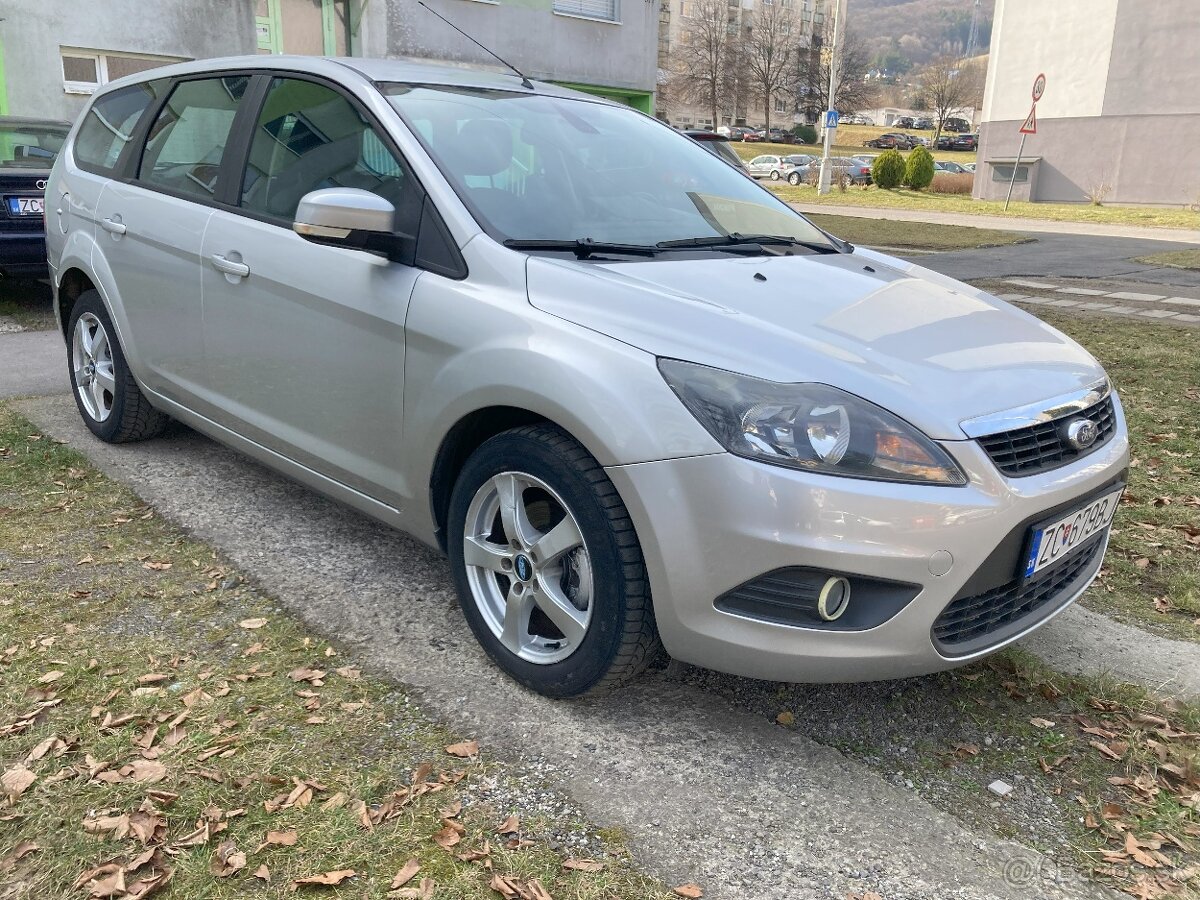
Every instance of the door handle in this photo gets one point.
(112, 225)
(228, 266)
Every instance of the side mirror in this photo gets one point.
(352, 218)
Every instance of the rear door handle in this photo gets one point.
(228, 266)
(112, 225)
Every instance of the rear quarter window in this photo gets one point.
(109, 124)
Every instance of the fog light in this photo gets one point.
(833, 599)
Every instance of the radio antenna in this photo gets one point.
(525, 82)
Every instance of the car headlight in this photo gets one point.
(813, 427)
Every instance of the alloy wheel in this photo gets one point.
(528, 567)
(92, 367)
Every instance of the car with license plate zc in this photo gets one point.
(28, 148)
(636, 399)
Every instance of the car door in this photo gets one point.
(150, 227)
(305, 343)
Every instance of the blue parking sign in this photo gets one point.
(831, 118)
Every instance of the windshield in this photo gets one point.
(539, 168)
(30, 144)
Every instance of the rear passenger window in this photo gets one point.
(309, 137)
(109, 125)
(185, 144)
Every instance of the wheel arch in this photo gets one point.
(72, 284)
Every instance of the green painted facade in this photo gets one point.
(643, 101)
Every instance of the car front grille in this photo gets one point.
(1038, 448)
(968, 619)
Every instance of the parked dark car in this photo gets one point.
(945, 142)
(843, 166)
(965, 142)
(718, 146)
(777, 136)
(891, 141)
(28, 148)
(923, 124)
(904, 122)
(956, 125)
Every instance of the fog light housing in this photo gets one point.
(834, 598)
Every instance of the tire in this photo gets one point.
(106, 394)
(794, 178)
(549, 472)
(775, 176)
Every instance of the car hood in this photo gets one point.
(930, 349)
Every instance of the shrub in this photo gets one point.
(952, 183)
(888, 169)
(918, 172)
(806, 133)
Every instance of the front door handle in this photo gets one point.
(228, 266)
(111, 224)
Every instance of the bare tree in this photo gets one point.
(769, 53)
(948, 86)
(854, 92)
(703, 59)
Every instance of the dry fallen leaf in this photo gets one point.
(511, 825)
(583, 865)
(691, 891)
(464, 749)
(447, 837)
(252, 624)
(332, 878)
(406, 874)
(263, 872)
(227, 859)
(279, 839)
(23, 849)
(1038, 722)
(51, 676)
(17, 780)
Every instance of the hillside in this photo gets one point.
(901, 34)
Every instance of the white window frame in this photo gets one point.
(101, 58)
(576, 14)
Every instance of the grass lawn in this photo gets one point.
(26, 303)
(749, 151)
(875, 198)
(162, 720)
(1178, 259)
(914, 235)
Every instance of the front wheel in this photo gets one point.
(109, 399)
(547, 565)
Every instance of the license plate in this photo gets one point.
(26, 206)
(1055, 542)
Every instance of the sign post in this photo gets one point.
(831, 116)
(1027, 128)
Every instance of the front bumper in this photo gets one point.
(709, 524)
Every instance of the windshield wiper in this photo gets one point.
(737, 239)
(584, 247)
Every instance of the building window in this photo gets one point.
(1004, 173)
(780, 105)
(607, 10)
(86, 70)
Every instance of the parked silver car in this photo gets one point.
(630, 393)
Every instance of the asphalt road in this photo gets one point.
(1065, 256)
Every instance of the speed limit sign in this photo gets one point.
(1039, 87)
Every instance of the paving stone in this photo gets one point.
(1012, 297)
(1133, 295)
(1182, 301)
(1094, 305)
(1186, 317)
(1156, 313)
(1062, 302)
(1087, 292)
(1121, 310)
(1035, 300)
(1044, 285)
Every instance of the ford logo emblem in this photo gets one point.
(1082, 433)
(40, 184)
(523, 567)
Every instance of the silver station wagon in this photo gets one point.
(635, 398)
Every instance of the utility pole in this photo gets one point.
(835, 56)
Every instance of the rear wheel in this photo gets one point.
(548, 568)
(109, 399)
(775, 176)
(794, 178)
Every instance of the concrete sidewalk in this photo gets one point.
(1005, 223)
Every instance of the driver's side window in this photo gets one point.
(308, 137)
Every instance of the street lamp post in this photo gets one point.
(835, 54)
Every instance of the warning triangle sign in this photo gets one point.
(1030, 126)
